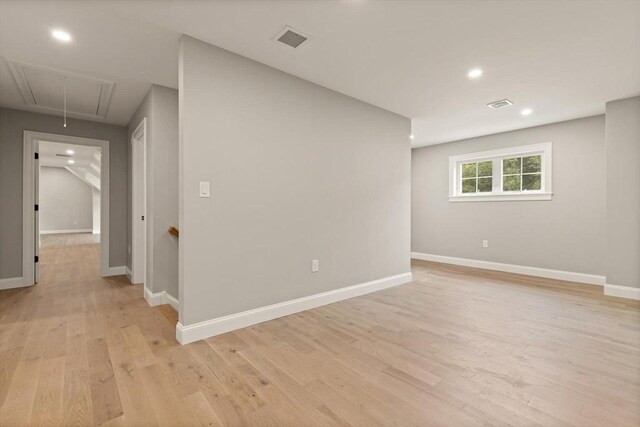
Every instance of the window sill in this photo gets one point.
(501, 197)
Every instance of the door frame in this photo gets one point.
(29, 196)
(139, 204)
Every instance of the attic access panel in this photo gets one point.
(43, 88)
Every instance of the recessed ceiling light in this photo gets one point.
(411, 136)
(69, 151)
(70, 162)
(526, 111)
(474, 73)
(63, 36)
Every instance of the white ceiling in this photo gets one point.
(83, 156)
(563, 59)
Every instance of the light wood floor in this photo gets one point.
(456, 347)
(68, 239)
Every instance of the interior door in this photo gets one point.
(138, 257)
(36, 212)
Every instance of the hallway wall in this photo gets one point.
(160, 107)
(297, 172)
(65, 203)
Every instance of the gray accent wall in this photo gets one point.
(623, 192)
(566, 233)
(66, 202)
(12, 124)
(297, 172)
(160, 107)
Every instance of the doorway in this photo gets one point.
(139, 203)
(68, 160)
(68, 194)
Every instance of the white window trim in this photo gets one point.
(497, 195)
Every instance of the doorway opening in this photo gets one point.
(66, 188)
(68, 195)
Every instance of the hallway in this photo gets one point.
(62, 339)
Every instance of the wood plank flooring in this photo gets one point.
(456, 347)
(68, 239)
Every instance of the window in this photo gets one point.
(477, 177)
(519, 173)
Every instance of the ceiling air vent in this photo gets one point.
(291, 37)
(499, 104)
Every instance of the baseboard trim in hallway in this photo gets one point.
(589, 279)
(12, 283)
(622, 291)
(72, 231)
(209, 328)
(115, 271)
(160, 298)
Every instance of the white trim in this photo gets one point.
(496, 195)
(160, 298)
(590, 279)
(78, 230)
(622, 291)
(115, 271)
(153, 299)
(127, 272)
(12, 283)
(502, 198)
(30, 142)
(169, 299)
(221, 325)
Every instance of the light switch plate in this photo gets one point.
(204, 189)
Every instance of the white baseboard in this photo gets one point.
(589, 279)
(78, 230)
(221, 325)
(115, 271)
(169, 299)
(153, 299)
(129, 274)
(12, 283)
(160, 298)
(622, 291)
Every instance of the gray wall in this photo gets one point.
(160, 107)
(66, 202)
(297, 172)
(566, 233)
(12, 125)
(623, 192)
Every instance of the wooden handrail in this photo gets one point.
(174, 231)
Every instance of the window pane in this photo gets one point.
(469, 170)
(469, 185)
(531, 182)
(484, 185)
(510, 166)
(485, 169)
(531, 164)
(511, 183)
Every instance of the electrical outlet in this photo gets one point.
(315, 266)
(485, 243)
